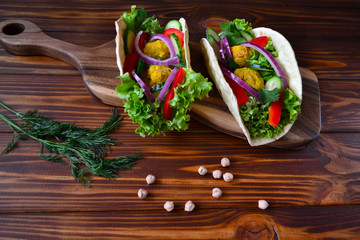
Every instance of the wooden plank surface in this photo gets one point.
(314, 193)
(332, 222)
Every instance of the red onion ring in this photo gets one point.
(271, 59)
(166, 40)
(167, 84)
(240, 82)
(149, 60)
(227, 47)
(143, 86)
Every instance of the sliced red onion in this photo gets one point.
(222, 54)
(226, 46)
(240, 82)
(167, 84)
(166, 40)
(271, 59)
(143, 86)
(149, 60)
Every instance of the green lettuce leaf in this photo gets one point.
(255, 115)
(260, 63)
(150, 116)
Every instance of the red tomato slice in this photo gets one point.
(131, 60)
(179, 34)
(261, 41)
(275, 111)
(239, 92)
(178, 79)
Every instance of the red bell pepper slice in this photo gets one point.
(179, 34)
(144, 37)
(131, 61)
(239, 92)
(275, 111)
(178, 79)
(262, 41)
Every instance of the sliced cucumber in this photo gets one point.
(176, 44)
(214, 45)
(173, 24)
(129, 37)
(247, 36)
(272, 83)
(157, 88)
(211, 32)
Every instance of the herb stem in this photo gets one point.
(15, 126)
(10, 110)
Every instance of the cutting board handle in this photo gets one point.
(22, 37)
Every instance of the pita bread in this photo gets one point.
(287, 61)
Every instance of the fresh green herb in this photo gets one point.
(233, 29)
(269, 96)
(9, 146)
(136, 20)
(85, 148)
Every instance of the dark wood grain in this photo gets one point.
(314, 193)
(98, 68)
(310, 176)
(241, 223)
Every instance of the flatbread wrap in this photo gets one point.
(157, 82)
(256, 73)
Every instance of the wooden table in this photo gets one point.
(314, 193)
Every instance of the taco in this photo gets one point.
(256, 73)
(157, 82)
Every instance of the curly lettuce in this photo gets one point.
(255, 115)
(150, 116)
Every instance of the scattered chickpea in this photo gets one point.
(169, 206)
(202, 170)
(189, 206)
(216, 192)
(225, 162)
(142, 193)
(217, 174)
(263, 204)
(228, 177)
(150, 179)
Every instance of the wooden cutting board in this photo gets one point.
(99, 71)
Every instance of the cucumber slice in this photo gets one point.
(157, 88)
(129, 37)
(272, 83)
(176, 44)
(211, 32)
(214, 45)
(247, 36)
(173, 24)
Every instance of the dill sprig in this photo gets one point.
(86, 149)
